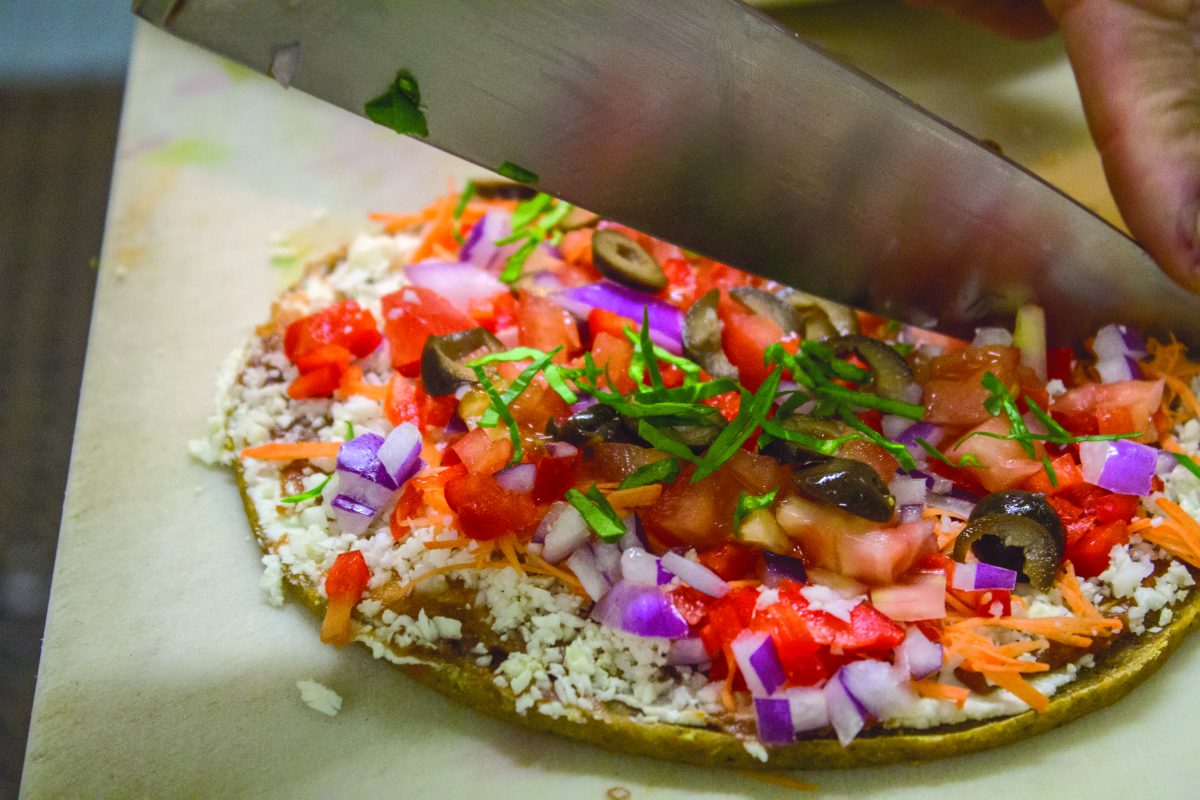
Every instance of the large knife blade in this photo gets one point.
(707, 124)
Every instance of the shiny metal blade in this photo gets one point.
(707, 124)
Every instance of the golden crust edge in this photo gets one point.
(1121, 669)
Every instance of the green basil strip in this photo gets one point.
(597, 512)
(749, 418)
(516, 354)
(516, 262)
(968, 459)
(501, 409)
(554, 377)
(897, 451)
(399, 108)
(310, 494)
(527, 210)
(467, 193)
(825, 446)
(748, 503)
(661, 441)
(1187, 463)
(1050, 473)
(518, 386)
(516, 173)
(663, 471)
(349, 430)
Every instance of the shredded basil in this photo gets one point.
(516, 262)
(399, 108)
(749, 417)
(501, 409)
(895, 449)
(661, 441)
(1050, 473)
(310, 494)
(663, 471)
(517, 387)
(749, 503)
(597, 512)
(1187, 463)
(349, 430)
(516, 173)
(967, 460)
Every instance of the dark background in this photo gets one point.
(62, 65)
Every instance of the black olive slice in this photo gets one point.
(823, 318)
(597, 423)
(443, 369)
(702, 337)
(850, 485)
(1014, 542)
(578, 218)
(892, 376)
(767, 304)
(798, 455)
(1025, 504)
(623, 260)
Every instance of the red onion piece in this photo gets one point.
(643, 569)
(608, 559)
(1121, 466)
(687, 652)
(666, 321)
(877, 686)
(846, 714)
(583, 563)
(640, 610)
(978, 576)
(566, 533)
(698, 576)
(957, 505)
(400, 453)
(922, 596)
(458, 282)
(1118, 350)
(480, 248)
(634, 535)
(918, 655)
(361, 475)
(781, 567)
(759, 662)
(908, 491)
(910, 512)
(809, 711)
(351, 515)
(518, 478)
(774, 716)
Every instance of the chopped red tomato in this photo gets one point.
(327, 355)
(745, 337)
(1059, 362)
(728, 404)
(494, 313)
(479, 452)
(1067, 472)
(954, 391)
(412, 315)
(408, 505)
(732, 561)
(613, 355)
(345, 324)
(407, 401)
(692, 605)
(345, 584)
(604, 321)
(486, 510)
(1083, 410)
(1004, 463)
(555, 475)
(544, 324)
(576, 247)
(1090, 553)
(537, 405)
(1095, 520)
(320, 382)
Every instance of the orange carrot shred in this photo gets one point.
(292, 451)
(1020, 687)
(1188, 529)
(941, 691)
(638, 496)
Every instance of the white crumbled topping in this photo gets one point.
(823, 598)
(272, 579)
(319, 697)
(766, 598)
(1125, 573)
(1056, 388)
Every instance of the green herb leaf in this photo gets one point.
(349, 430)
(661, 441)
(597, 512)
(663, 471)
(399, 108)
(467, 193)
(1050, 473)
(748, 503)
(515, 173)
(968, 459)
(516, 262)
(897, 450)
(310, 494)
(1188, 463)
(517, 388)
(749, 417)
(501, 410)
(527, 210)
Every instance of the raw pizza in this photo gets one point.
(586, 481)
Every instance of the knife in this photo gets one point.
(705, 123)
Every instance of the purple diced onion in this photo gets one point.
(564, 534)
(687, 652)
(809, 711)
(583, 563)
(759, 662)
(608, 559)
(634, 535)
(877, 686)
(351, 515)
(1120, 466)
(780, 567)
(978, 576)
(480, 246)
(585, 402)
(846, 715)
(774, 716)
(361, 475)
(918, 655)
(400, 453)
(696, 575)
(909, 512)
(640, 610)
(641, 568)
(561, 449)
(666, 320)
(458, 282)
(518, 478)
(1118, 350)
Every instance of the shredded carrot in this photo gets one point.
(743, 583)
(397, 222)
(507, 545)
(394, 593)
(1068, 630)
(1020, 648)
(1068, 585)
(353, 383)
(979, 653)
(439, 229)
(447, 544)
(958, 605)
(727, 686)
(638, 496)
(1187, 528)
(1168, 360)
(534, 563)
(776, 779)
(1020, 687)
(292, 451)
(941, 691)
(930, 513)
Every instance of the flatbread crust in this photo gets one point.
(448, 668)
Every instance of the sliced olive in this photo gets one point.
(503, 190)
(578, 218)
(695, 436)
(767, 304)
(892, 376)
(850, 485)
(1024, 504)
(443, 367)
(1014, 542)
(821, 314)
(623, 260)
(598, 423)
(795, 454)
(702, 337)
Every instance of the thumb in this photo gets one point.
(1137, 64)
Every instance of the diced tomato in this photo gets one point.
(1090, 553)
(401, 404)
(494, 313)
(681, 282)
(435, 411)
(1059, 361)
(576, 247)
(1083, 410)
(537, 405)
(555, 475)
(728, 404)
(601, 320)
(731, 561)
(954, 391)
(698, 514)
(320, 382)
(715, 275)
(345, 324)
(613, 355)
(332, 355)
(344, 585)
(408, 505)
(745, 337)
(727, 617)
(413, 314)
(1067, 472)
(692, 605)
(1095, 520)
(544, 324)
(481, 453)
(486, 510)
(1005, 463)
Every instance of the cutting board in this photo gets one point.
(164, 671)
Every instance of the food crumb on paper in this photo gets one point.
(319, 697)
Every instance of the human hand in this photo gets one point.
(1137, 64)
